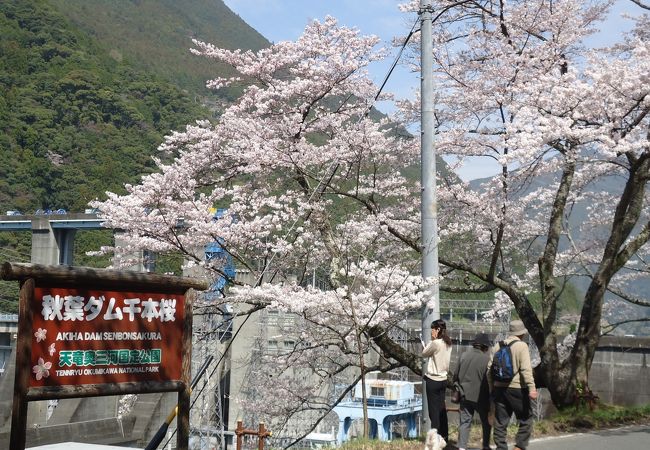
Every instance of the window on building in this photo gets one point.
(376, 391)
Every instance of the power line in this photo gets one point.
(397, 58)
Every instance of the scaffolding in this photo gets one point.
(206, 415)
(210, 366)
(211, 333)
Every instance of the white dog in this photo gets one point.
(434, 441)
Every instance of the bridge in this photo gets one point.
(52, 234)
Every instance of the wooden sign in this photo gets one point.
(88, 332)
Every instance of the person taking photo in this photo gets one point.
(439, 353)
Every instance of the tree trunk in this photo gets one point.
(364, 396)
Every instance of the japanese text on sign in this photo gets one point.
(74, 307)
(106, 357)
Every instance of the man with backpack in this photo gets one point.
(510, 374)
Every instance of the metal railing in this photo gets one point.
(8, 317)
(378, 402)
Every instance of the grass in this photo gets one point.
(605, 416)
(397, 444)
(568, 421)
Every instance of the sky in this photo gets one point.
(280, 20)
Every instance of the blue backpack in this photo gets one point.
(502, 369)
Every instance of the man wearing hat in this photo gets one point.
(470, 374)
(516, 395)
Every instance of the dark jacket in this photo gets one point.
(471, 375)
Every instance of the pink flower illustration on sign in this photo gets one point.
(42, 369)
(52, 349)
(40, 335)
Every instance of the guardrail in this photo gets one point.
(477, 327)
(8, 317)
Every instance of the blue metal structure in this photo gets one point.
(215, 252)
(380, 418)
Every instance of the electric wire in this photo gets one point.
(397, 58)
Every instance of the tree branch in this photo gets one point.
(546, 262)
(628, 298)
(631, 247)
(471, 289)
(397, 352)
(618, 324)
(641, 4)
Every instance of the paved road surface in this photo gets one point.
(634, 437)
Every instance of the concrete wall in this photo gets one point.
(619, 373)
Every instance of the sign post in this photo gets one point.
(91, 332)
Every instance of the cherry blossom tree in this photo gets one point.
(309, 184)
(569, 127)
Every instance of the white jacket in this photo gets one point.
(439, 355)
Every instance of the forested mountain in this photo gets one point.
(86, 97)
(88, 89)
(155, 36)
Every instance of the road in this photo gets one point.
(633, 437)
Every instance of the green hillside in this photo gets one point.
(155, 35)
(88, 89)
(82, 111)
(73, 121)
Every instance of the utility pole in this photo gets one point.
(429, 215)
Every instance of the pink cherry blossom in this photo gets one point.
(52, 349)
(42, 369)
(40, 334)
